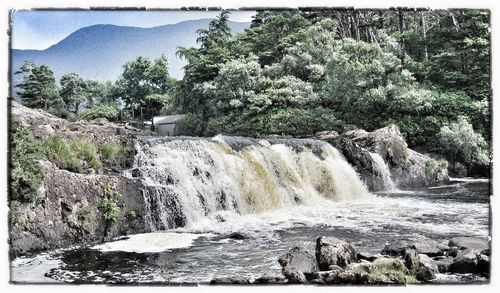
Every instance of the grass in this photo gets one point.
(72, 155)
(112, 153)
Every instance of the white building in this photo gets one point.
(167, 125)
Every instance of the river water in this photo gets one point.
(202, 251)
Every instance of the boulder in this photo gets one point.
(479, 243)
(296, 263)
(270, 278)
(429, 247)
(229, 281)
(444, 264)
(332, 251)
(396, 248)
(424, 274)
(389, 271)
(483, 264)
(465, 261)
(237, 236)
(339, 277)
(366, 256)
(412, 260)
(428, 262)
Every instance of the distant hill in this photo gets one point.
(99, 51)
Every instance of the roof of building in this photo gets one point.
(168, 119)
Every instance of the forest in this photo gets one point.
(299, 72)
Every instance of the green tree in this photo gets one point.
(141, 79)
(38, 88)
(73, 92)
(459, 142)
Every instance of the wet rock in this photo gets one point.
(465, 261)
(444, 264)
(429, 247)
(229, 281)
(428, 262)
(395, 248)
(269, 278)
(361, 266)
(333, 251)
(483, 264)
(296, 263)
(424, 274)
(366, 256)
(339, 277)
(412, 260)
(478, 243)
(237, 236)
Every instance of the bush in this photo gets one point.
(110, 204)
(87, 152)
(112, 153)
(25, 171)
(104, 111)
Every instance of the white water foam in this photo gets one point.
(469, 179)
(150, 242)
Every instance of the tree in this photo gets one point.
(38, 88)
(74, 92)
(459, 142)
(142, 78)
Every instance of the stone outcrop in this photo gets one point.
(297, 263)
(70, 206)
(331, 251)
(70, 211)
(408, 168)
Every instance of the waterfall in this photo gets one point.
(381, 167)
(189, 179)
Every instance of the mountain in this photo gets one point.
(99, 51)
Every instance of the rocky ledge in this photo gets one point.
(408, 168)
(336, 262)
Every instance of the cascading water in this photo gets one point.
(381, 167)
(189, 179)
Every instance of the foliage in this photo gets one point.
(86, 151)
(25, 172)
(14, 212)
(103, 111)
(73, 92)
(459, 142)
(109, 204)
(112, 153)
(38, 88)
(72, 155)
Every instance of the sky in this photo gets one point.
(42, 29)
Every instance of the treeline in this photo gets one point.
(297, 72)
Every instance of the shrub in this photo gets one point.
(25, 172)
(111, 209)
(104, 111)
(87, 152)
(112, 153)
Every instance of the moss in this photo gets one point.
(14, 212)
(389, 270)
(132, 214)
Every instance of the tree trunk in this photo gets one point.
(401, 23)
(424, 35)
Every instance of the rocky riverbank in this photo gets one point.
(336, 262)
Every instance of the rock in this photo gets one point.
(324, 135)
(483, 264)
(296, 263)
(407, 167)
(444, 264)
(229, 281)
(366, 256)
(412, 260)
(332, 251)
(428, 262)
(339, 277)
(424, 274)
(389, 271)
(361, 266)
(237, 236)
(429, 247)
(44, 131)
(395, 248)
(269, 278)
(478, 243)
(465, 262)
